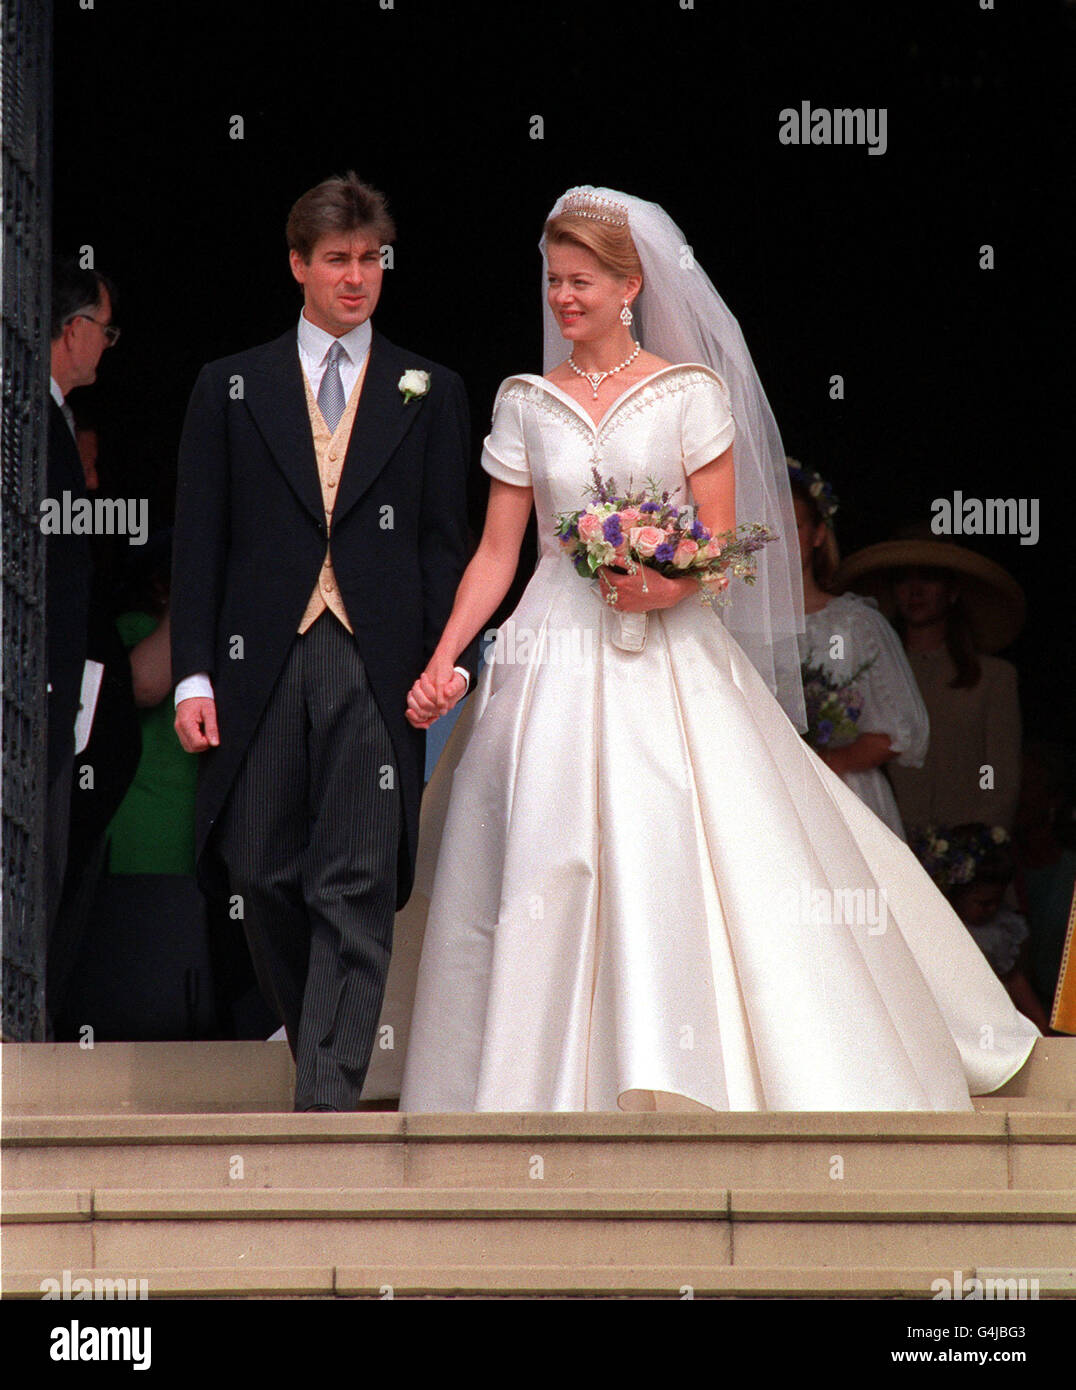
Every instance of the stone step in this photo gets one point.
(1048, 1073)
(510, 1151)
(982, 1151)
(146, 1078)
(232, 1077)
(552, 1281)
(131, 1229)
(182, 1163)
(1050, 1105)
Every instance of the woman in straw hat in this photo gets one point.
(864, 710)
(952, 607)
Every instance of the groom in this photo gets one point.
(320, 535)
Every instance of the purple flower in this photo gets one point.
(664, 553)
(699, 532)
(611, 529)
(600, 488)
(825, 730)
(650, 507)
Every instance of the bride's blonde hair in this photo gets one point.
(611, 245)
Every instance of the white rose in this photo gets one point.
(413, 384)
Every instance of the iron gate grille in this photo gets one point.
(25, 34)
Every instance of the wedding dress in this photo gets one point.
(649, 892)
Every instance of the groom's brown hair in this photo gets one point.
(339, 204)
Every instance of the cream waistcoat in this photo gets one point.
(330, 451)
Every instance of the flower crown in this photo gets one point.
(820, 491)
(951, 859)
(579, 202)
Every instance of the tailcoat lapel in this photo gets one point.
(276, 397)
(381, 421)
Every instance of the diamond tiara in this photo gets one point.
(582, 204)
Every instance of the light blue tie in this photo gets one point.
(331, 391)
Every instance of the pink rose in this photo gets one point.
(629, 517)
(645, 540)
(590, 527)
(685, 553)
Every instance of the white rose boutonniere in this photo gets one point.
(413, 384)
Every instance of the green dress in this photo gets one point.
(152, 831)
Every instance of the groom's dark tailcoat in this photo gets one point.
(250, 540)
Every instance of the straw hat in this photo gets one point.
(993, 600)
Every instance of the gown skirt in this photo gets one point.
(648, 893)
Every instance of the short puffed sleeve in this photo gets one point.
(708, 428)
(504, 451)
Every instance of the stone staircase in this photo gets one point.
(180, 1164)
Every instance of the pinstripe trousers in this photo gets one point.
(310, 836)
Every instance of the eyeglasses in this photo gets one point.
(111, 332)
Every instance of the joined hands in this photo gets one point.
(437, 690)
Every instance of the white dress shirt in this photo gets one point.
(314, 345)
(58, 396)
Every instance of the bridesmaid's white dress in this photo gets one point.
(649, 892)
(840, 637)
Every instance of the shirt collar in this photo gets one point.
(55, 392)
(315, 342)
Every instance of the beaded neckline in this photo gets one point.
(599, 425)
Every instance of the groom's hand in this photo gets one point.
(196, 724)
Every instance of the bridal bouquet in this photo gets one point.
(833, 707)
(645, 528)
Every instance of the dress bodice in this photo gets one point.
(663, 427)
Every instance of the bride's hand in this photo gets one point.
(631, 597)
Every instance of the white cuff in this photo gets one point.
(197, 687)
(466, 677)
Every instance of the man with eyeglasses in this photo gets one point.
(81, 328)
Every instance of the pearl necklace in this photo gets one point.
(596, 378)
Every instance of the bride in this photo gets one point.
(649, 893)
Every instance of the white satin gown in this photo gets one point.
(649, 893)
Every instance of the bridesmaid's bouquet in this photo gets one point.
(645, 528)
(951, 854)
(833, 707)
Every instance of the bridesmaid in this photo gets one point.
(851, 649)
